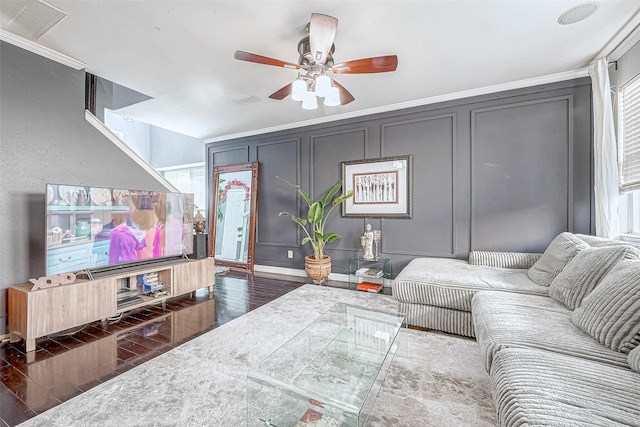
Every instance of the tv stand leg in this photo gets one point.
(30, 345)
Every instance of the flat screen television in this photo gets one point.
(96, 228)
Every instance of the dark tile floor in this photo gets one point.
(70, 363)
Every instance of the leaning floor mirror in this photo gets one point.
(232, 220)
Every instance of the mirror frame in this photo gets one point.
(253, 207)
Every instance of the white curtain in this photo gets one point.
(605, 153)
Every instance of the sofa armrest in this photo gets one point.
(522, 260)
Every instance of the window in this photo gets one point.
(634, 222)
(189, 179)
(629, 153)
(629, 132)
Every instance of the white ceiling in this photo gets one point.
(181, 52)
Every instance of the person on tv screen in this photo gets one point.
(124, 240)
(145, 217)
(101, 241)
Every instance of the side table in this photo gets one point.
(372, 271)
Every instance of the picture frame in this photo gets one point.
(381, 187)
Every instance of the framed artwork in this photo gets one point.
(381, 187)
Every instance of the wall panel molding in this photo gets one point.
(351, 142)
(264, 147)
(452, 194)
(386, 149)
(313, 142)
(568, 105)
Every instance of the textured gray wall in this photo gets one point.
(44, 138)
(168, 148)
(505, 171)
(135, 134)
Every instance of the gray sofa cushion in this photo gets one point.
(611, 313)
(597, 242)
(560, 251)
(438, 318)
(532, 387)
(504, 259)
(634, 359)
(505, 319)
(451, 283)
(585, 271)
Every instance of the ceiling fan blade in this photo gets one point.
(259, 59)
(322, 31)
(378, 64)
(345, 96)
(282, 93)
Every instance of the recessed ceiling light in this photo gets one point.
(578, 13)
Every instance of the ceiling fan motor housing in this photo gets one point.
(306, 57)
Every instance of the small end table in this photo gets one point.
(372, 271)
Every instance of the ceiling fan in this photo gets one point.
(315, 61)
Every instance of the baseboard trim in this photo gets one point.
(297, 273)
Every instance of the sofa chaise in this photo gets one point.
(566, 352)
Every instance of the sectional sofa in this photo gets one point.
(558, 332)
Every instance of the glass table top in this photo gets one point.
(332, 369)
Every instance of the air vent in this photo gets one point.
(243, 100)
(29, 18)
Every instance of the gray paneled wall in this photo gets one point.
(520, 174)
(505, 171)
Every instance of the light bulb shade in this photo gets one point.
(333, 97)
(323, 84)
(299, 88)
(310, 102)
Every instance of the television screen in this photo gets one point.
(93, 227)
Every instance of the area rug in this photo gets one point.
(435, 379)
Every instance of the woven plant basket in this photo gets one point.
(317, 269)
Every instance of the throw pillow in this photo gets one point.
(561, 250)
(634, 359)
(611, 312)
(585, 271)
(595, 241)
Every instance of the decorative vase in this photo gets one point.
(317, 269)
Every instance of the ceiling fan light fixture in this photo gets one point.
(298, 90)
(310, 102)
(333, 97)
(323, 84)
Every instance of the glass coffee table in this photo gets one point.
(329, 374)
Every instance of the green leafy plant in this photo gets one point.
(317, 214)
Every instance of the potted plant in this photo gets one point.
(318, 265)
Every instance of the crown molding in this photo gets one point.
(38, 49)
(551, 78)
